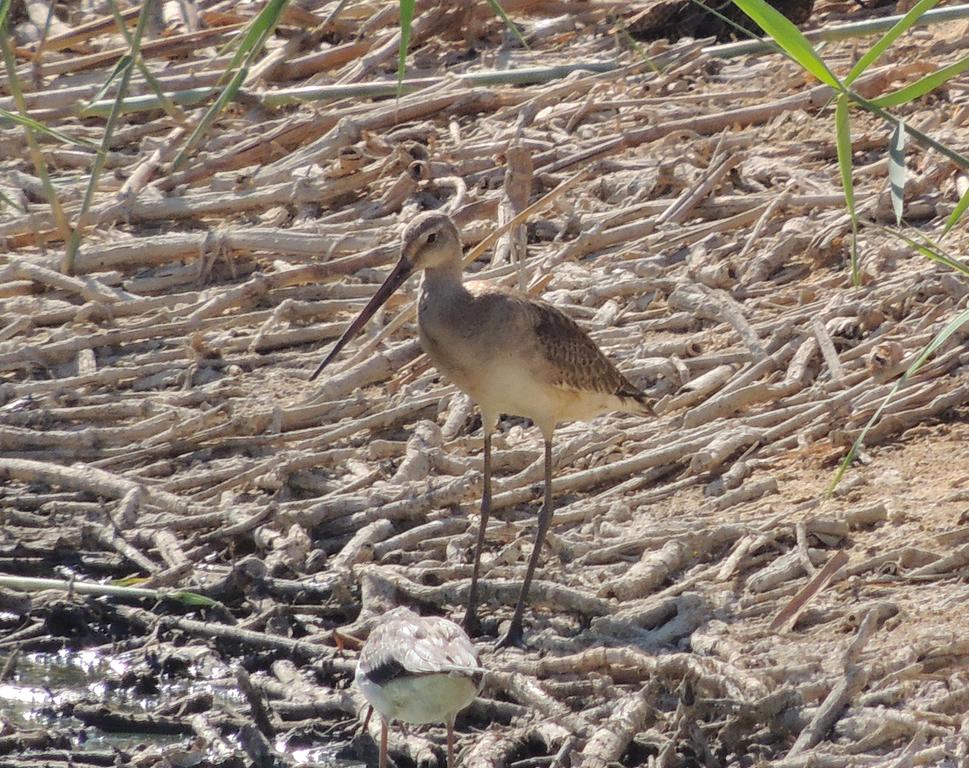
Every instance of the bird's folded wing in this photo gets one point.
(574, 359)
(439, 646)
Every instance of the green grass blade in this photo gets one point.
(940, 338)
(121, 589)
(496, 7)
(182, 596)
(119, 66)
(36, 156)
(190, 97)
(915, 133)
(70, 253)
(7, 201)
(854, 261)
(767, 42)
(903, 25)
(634, 44)
(406, 19)
(896, 170)
(930, 250)
(843, 138)
(923, 85)
(253, 39)
(4, 9)
(39, 127)
(789, 37)
(171, 109)
(210, 116)
(193, 599)
(957, 213)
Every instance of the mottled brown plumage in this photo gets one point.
(516, 355)
(673, 19)
(577, 362)
(510, 353)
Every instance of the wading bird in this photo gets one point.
(511, 354)
(419, 670)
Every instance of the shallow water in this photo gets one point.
(34, 696)
(43, 683)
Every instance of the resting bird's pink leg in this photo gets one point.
(383, 742)
(450, 743)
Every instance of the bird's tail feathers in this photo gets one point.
(475, 674)
(460, 669)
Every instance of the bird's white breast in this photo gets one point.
(418, 699)
(486, 345)
(517, 390)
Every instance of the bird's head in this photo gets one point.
(431, 241)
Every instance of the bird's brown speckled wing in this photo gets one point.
(575, 359)
(572, 360)
(673, 19)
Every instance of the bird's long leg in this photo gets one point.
(514, 634)
(471, 624)
(450, 743)
(383, 742)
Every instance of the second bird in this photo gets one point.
(512, 354)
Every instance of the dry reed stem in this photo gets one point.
(155, 414)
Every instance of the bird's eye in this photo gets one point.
(432, 237)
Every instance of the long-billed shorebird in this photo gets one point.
(511, 354)
(419, 669)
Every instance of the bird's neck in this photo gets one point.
(444, 279)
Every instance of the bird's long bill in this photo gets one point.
(401, 271)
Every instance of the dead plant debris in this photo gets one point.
(701, 602)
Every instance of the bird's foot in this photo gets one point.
(513, 637)
(471, 624)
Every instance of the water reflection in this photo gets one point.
(43, 685)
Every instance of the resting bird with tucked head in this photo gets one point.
(512, 354)
(418, 669)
